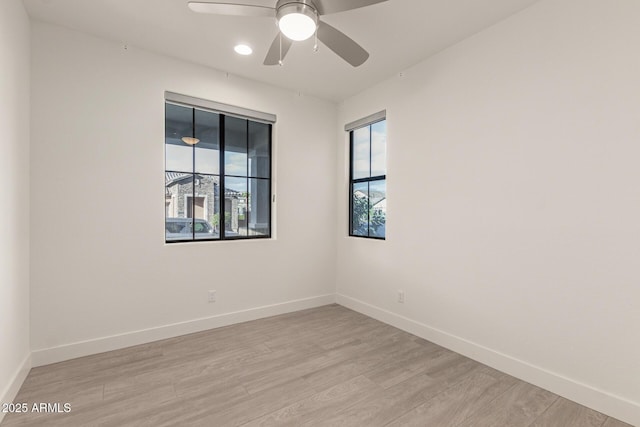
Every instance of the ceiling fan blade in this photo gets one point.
(232, 9)
(342, 45)
(326, 7)
(274, 56)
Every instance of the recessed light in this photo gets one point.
(243, 49)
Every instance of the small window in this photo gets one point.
(217, 175)
(368, 178)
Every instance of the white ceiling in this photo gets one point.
(397, 34)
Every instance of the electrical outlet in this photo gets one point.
(212, 296)
(401, 297)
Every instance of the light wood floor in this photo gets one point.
(327, 366)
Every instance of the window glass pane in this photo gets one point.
(360, 206)
(178, 124)
(196, 207)
(178, 206)
(377, 208)
(259, 162)
(259, 200)
(369, 194)
(379, 148)
(235, 140)
(207, 154)
(235, 207)
(361, 153)
(206, 207)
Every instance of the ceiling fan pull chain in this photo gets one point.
(280, 60)
(315, 46)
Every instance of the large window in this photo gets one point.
(368, 177)
(217, 175)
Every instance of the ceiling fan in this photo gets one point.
(298, 20)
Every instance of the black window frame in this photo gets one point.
(221, 174)
(377, 118)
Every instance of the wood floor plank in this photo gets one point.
(323, 366)
(178, 369)
(395, 401)
(367, 330)
(305, 367)
(366, 362)
(92, 365)
(612, 422)
(120, 407)
(414, 363)
(564, 413)
(384, 406)
(254, 406)
(174, 413)
(518, 406)
(321, 405)
(456, 403)
(262, 372)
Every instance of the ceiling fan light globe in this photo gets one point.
(297, 26)
(297, 20)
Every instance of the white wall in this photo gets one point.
(513, 201)
(14, 214)
(101, 271)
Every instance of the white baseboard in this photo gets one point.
(10, 393)
(584, 394)
(47, 356)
